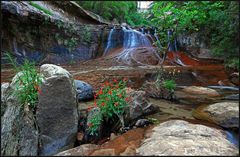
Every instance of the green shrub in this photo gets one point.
(27, 84)
(169, 85)
(111, 100)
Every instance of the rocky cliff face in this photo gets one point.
(195, 44)
(51, 32)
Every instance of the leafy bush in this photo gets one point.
(27, 83)
(218, 20)
(169, 85)
(166, 79)
(111, 100)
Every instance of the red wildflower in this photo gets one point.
(90, 108)
(114, 80)
(125, 79)
(110, 92)
(90, 124)
(100, 92)
(127, 99)
(36, 86)
(103, 104)
(106, 83)
(119, 95)
(116, 104)
(39, 90)
(95, 96)
(95, 104)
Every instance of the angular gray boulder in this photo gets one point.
(4, 89)
(178, 137)
(138, 106)
(57, 115)
(18, 133)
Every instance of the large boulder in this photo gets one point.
(19, 135)
(225, 114)
(57, 115)
(178, 137)
(84, 90)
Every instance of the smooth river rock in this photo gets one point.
(84, 90)
(225, 114)
(178, 137)
(57, 115)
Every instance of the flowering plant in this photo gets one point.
(27, 82)
(111, 99)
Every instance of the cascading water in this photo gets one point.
(134, 38)
(133, 41)
(109, 42)
(172, 45)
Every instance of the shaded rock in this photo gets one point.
(84, 90)
(18, 133)
(138, 106)
(157, 92)
(28, 136)
(81, 150)
(104, 152)
(225, 114)
(4, 94)
(178, 137)
(112, 136)
(232, 97)
(57, 115)
(142, 122)
(234, 78)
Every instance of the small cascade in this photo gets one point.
(172, 45)
(142, 30)
(134, 38)
(109, 42)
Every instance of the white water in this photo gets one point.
(109, 43)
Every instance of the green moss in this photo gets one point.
(40, 8)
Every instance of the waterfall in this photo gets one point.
(134, 38)
(109, 42)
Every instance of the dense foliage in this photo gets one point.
(218, 20)
(122, 11)
(27, 83)
(112, 100)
